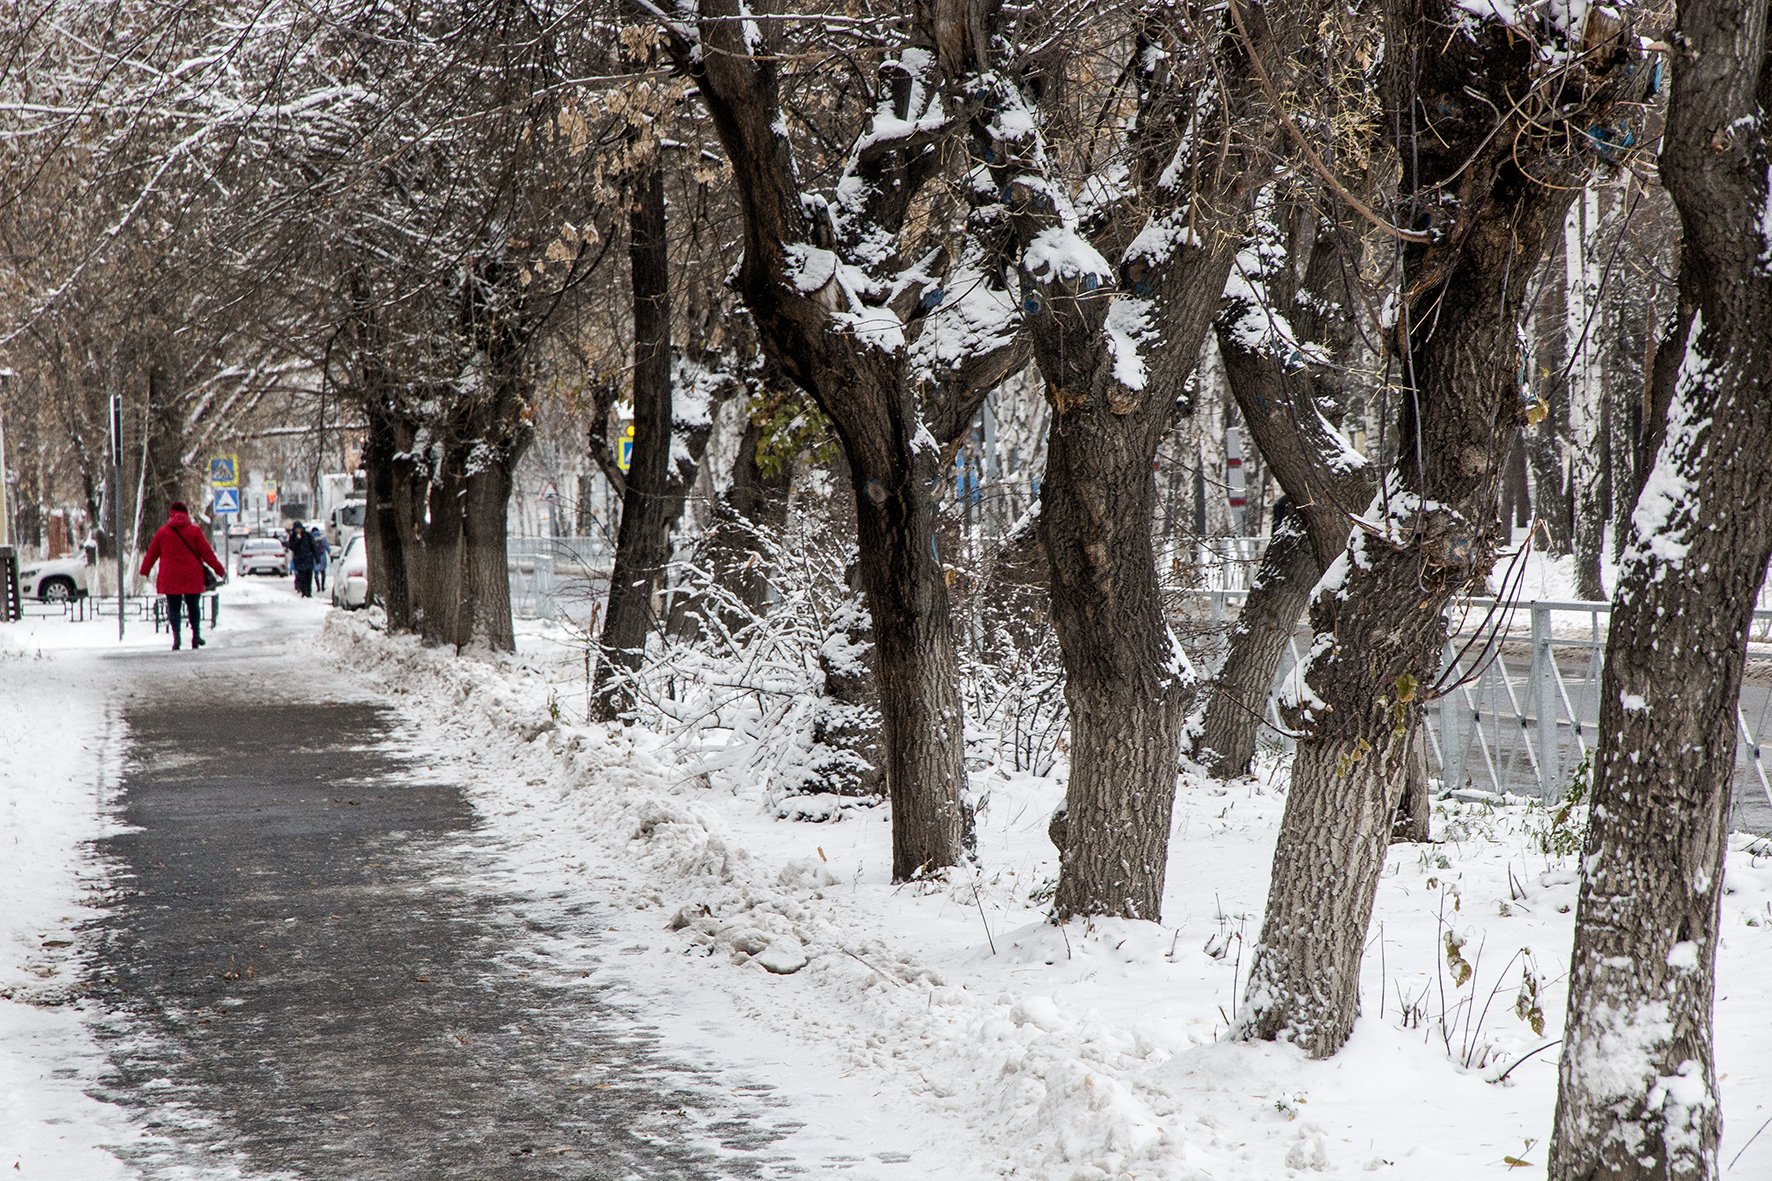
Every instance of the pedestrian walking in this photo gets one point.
(302, 556)
(322, 558)
(182, 553)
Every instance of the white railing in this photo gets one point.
(551, 576)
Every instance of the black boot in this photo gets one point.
(175, 644)
(196, 640)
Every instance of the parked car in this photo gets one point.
(55, 580)
(350, 575)
(263, 556)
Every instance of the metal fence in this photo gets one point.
(555, 576)
(1218, 563)
(1522, 711)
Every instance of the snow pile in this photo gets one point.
(1091, 1050)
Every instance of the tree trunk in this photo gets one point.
(1277, 598)
(1589, 509)
(915, 662)
(26, 501)
(486, 580)
(1212, 509)
(1516, 493)
(387, 506)
(1013, 594)
(1413, 822)
(643, 543)
(1113, 393)
(1324, 479)
(1643, 970)
(165, 480)
(1432, 531)
(1126, 687)
(750, 513)
(433, 546)
(797, 277)
(1544, 443)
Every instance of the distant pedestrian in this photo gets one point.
(322, 558)
(181, 551)
(302, 556)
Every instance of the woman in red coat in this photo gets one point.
(182, 551)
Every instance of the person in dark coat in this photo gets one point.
(181, 551)
(302, 556)
(322, 557)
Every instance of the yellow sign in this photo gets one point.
(624, 450)
(224, 471)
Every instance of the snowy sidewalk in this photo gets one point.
(310, 958)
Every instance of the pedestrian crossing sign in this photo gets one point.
(624, 450)
(224, 471)
(227, 500)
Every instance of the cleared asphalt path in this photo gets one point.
(310, 981)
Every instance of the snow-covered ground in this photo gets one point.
(947, 1027)
(59, 756)
(1090, 1050)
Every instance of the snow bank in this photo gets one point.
(58, 765)
(1091, 1050)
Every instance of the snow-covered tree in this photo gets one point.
(1638, 1089)
(1479, 201)
(895, 323)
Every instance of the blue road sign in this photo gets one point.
(224, 471)
(227, 500)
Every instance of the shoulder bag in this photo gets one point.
(209, 579)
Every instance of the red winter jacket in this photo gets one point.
(181, 565)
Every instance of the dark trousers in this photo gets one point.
(304, 583)
(319, 578)
(177, 605)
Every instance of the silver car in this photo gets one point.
(350, 575)
(262, 555)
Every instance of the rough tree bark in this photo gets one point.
(1487, 200)
(1277, 597)
(1637, 1094)
(389, 485)
(1544, 446)
(440, 484)
(643, 544)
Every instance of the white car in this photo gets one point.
(350, 575)
(262, 555)
(55, 580)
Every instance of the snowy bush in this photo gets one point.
(745, 696)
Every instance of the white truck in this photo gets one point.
(343, 506)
